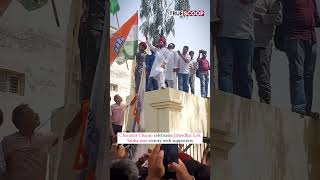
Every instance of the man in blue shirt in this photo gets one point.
(152, 83)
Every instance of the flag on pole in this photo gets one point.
(95, 129)
(124, 42)
(138, 111)
(114, 6)
(81, 160)
(137, 151)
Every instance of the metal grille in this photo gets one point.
(114, 87)
(14, 84)
(3, 81)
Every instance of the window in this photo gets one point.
(114, 87)
(12, 82)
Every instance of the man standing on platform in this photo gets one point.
(160, 62)
(300, 19)
(183, 75)
(172, 67)
(268, 14)
(193, 65)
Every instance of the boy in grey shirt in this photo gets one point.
(268, 13)
(235, 46)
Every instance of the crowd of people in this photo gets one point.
(167, 68)
(245, 32)
(150, 165)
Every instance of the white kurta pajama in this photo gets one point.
(161, 57)
(171, 77)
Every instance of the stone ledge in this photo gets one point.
(167, 105)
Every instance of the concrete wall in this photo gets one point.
(170, 110)
(121, 76)
(255, 141)
(48, 55)
(31, 43)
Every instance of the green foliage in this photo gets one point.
(155, 17)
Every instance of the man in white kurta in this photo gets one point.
(172, 67)
(160, 61)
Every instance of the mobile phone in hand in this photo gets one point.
(170, 156)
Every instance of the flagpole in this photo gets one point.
(117, 20)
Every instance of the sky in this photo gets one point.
(192, 31)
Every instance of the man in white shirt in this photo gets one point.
(172, 67)
(159, 64)
(183, 73)
(193, 65)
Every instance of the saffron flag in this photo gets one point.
(137, 151)
(138, 112)
(92, 167)
(124, 42)
(81, 160)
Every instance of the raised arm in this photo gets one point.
(70, 131)
(152, 48)
(186, 60)
(199, 58)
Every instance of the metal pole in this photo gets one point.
(55, 12)
(117, 20)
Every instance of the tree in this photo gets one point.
(156, 19)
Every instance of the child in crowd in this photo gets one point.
(26, 151)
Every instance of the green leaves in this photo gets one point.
(155, 17)
(114, 6)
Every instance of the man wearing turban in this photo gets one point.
(161, 59)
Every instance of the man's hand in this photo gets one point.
(163, 66)
(155, 164)
(181, 171)
(142, 159)
(119, 151)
